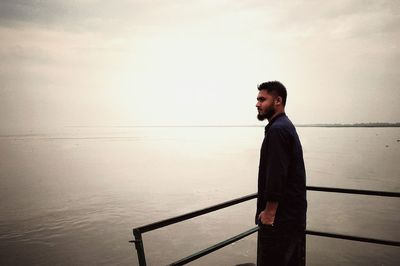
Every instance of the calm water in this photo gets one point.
(72, 198)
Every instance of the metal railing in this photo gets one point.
(137, 232)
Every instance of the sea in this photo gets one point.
(72, 195)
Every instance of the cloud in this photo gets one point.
(338, 19)
(117, 56)
(107, 16)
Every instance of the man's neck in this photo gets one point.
(275, 115)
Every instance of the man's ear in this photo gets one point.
(278, 100)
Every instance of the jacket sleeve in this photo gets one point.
(278, 163)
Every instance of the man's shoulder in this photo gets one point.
(282, 123)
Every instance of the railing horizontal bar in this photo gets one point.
(190, 215)
(355, 191)
(354, 238)
(215, 247)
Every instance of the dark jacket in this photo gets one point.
(282, 175)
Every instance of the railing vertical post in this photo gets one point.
(139, 247)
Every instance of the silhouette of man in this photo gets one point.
(281, 202)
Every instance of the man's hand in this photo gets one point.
(266, 218)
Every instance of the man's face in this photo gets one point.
(265, 105)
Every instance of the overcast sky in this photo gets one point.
(89, 63)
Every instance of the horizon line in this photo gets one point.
(368, 124)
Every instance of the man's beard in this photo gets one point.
(270, 112)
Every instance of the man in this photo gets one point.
(281, 202)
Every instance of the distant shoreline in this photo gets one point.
(297, 125)
(352, 125)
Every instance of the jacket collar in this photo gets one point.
(273, 120)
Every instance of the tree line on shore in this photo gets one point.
(377, 124)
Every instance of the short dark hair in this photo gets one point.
(276, 88)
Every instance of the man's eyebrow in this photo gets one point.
(260, 98)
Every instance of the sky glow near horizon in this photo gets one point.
(90, 63)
